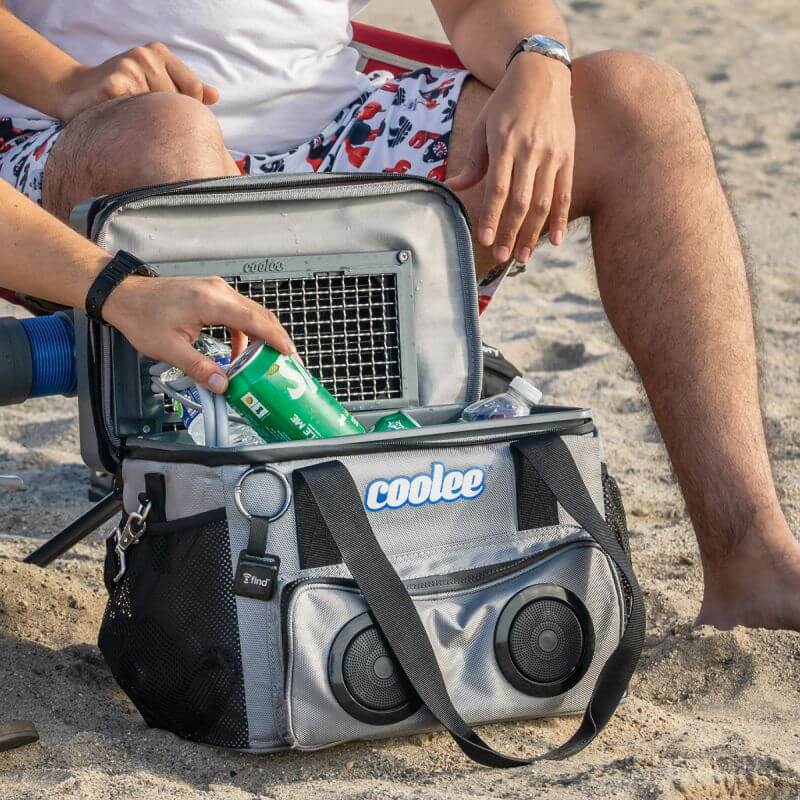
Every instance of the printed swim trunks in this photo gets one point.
(401, 125)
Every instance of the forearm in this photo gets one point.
(32, 69)
(484, 32)
(41, 256)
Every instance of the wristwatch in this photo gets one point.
(543, 45)
(120, 267)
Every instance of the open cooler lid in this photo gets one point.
(372, 274)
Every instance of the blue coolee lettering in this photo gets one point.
(437, 474)
(376, 495)
(420, 490)
(398, 493)
(473, 483)
(451, 487)
(439, 485)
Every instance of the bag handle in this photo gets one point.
(339, 503)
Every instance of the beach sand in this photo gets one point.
(710, 714)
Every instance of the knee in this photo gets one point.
(643, 103)
(157, 137)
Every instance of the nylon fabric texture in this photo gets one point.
(399, 621)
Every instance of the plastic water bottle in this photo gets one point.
(516, 401)
(241, 435)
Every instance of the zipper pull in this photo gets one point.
(129, 535)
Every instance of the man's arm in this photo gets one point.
(161, 317)
(35, 72)
(484, 32)
(524, 140)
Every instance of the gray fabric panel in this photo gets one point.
(421, 541)
(191, 488)
(259, 621)
(461, 627)
(418, 220)
(445, 536)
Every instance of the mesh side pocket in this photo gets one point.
(615, 511)
(618, 522)
(170, 632)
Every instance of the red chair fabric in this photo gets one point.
(399, 52)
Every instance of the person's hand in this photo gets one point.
(524, 143)
(162, 318)
(149, 68)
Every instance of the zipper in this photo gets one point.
(445, 583)
(281, 187)
(217, 457)
(108, 204)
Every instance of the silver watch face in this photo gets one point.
(544, 44)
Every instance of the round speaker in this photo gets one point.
(365, 676)
(544, 640)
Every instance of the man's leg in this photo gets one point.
(672, 280)
(134, 141)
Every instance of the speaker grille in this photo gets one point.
(371, 674)
(546, 640)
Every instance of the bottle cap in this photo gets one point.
(526, 389)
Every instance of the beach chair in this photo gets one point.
(50, 336)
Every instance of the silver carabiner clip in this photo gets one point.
(287, 492)
(129, 535)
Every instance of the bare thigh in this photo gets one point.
(133, 141)
(606, 90)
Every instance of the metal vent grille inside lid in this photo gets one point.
(345, 328)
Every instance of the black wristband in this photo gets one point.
(120, 267)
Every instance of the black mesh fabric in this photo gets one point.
(371, 673)
(170, 633)
(615, 511)
(546, 641)
(618, 523)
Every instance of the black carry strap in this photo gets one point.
(340, 505)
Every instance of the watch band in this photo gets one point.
(525, 46)
(121, 266)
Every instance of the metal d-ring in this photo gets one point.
(237, 492)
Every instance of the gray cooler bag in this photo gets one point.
(303, 594)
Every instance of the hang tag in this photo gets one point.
(256, 575)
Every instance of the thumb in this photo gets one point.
(201, 369)
(475, 167)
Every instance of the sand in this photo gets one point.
(710, 715)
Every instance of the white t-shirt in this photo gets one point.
(284, 68)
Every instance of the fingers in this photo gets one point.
(476, 165)
(238, 343)
(515, 209)
(222, 305)
(210, 94)
(184, 79)
(562, 199)
(149, 59)
(165, 72)
(201, 369)
(539, 209)
(498, 183)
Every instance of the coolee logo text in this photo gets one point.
(438, 485)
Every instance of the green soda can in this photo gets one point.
(394, 422)
(282, 400)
